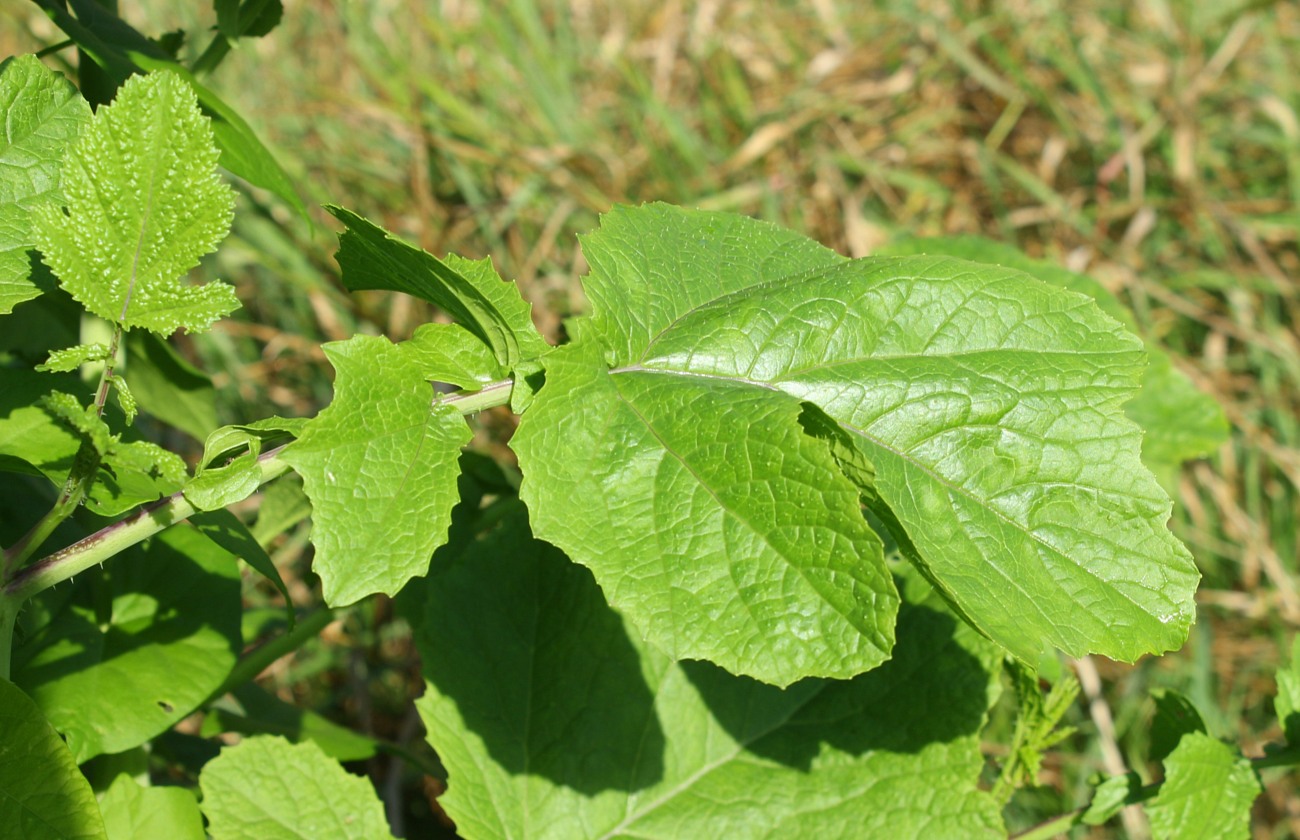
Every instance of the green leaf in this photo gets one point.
(991, 408)
(736, 542)
(555, 721)
(225, 529)
(270, 789)
(452, 354)
(1287, 703)
(122, 51)
(124, 654)
(132, 812)
(70, 358)
(1207, 793)
(144, 203)
(217, 485)
(44, 794)
(654, 263)
(1181, 422)
(1110, 797)
(258, 712)
(242, 153)
(41, 114)
(1175, 717)
(247, 19)
(470, 291)
(379, 465)
(168, 387)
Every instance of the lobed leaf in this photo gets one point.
(990, 406)
(41, 114)
(44, 794)
(470, 291)
(736, 542)
(1207, 793)
(267, 788)
(143, 203)
(1181, 422)
(555, 721)
(379, 465)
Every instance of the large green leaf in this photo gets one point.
(270, 789)
(1207, 793)
(43, 795)
(736, 542)
(125, 653)
(555, 721)
(41, 113)
(652, 264)
(132, 812)
(1180, 421)
(143, 204)
(989, 404)
(470, 291)
(379, 465)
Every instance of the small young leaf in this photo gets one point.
(41, 114)
(125, 399)
(217, 485)
(1207, 793)
(267, 788)
(144, 202)
(132, 812)
(555, 720)
(45, 796)
(379, 465)
(452, 354)
(470, 291)
(1109, 798)
(71, 358)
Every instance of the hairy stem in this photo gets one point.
(108, 541)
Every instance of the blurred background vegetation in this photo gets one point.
(1154, 145)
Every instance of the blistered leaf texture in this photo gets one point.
(379, 465)
(1181, 422)
(267, 788)
(992, 408)
(143, 204)
(1207, 793)
(470, 291)
(736, 542)
(652, 264)
(128, 652)
(989, 404)
(43, 795)
(555, 720)
(41, 113)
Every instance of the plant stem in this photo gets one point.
(258, 660)
(472, 402)
(8, 618)
(114, 538)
